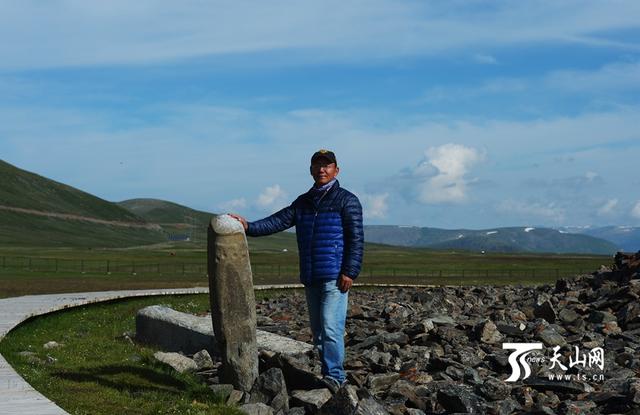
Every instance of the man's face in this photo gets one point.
(323, 171)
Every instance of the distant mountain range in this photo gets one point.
(37, 211)
(625, 237)
(513, 239)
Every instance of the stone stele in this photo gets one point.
(233, 305)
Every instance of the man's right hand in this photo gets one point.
(240, 219)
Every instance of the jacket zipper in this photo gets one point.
(313, 227)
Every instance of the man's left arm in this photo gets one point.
(353, 242)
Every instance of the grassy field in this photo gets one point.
(46, 270)
(97, 371)
(109, 375)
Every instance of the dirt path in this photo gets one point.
(68, 216)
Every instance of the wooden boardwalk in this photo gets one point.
(17, 397)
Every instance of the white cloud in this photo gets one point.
(635, 211)
(217, 156)
(233, 205)
(497, 86)
(272, 198)
(621, 76)
(612, 78)
(591, 176)
(608, 207)
(548, 211)
(375, 205)
(484, 59)
(72, 33)
(451, 163)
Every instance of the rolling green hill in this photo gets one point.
(36, 211)
(513, 239)
(23, 189)
(177, 219)
(163, 212)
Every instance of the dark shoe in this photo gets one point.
(332, 384)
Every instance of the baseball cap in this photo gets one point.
(324, 154)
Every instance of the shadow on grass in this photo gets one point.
(125, 379)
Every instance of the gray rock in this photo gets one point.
(568, 316)
(235, 397)
(51, 345)
(31, 357)
(609, 328)
(555, 386)
(472, 377)
(597, 316)
(576, 407)
(442, 319)
(494, 389)
(505, 406)
(311, 400)
(550, 338)
(397, 338)
(296, 370)
(450, 334)
(369, 406)
(344, 402)
(459, 398)
(298, 410)
(177, 361)
(256, 409)
(381, 381)
(394, 311)
(174, 331)
(546, 311)
(487, 332)
(380, 358)
(270, 389)
(405, 391)
(233, 307)
(629, 314)
(512, 330)
(470, 356)
(425, 326)
(203, 360)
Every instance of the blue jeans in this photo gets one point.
(327, 315)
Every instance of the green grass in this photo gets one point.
(22, 229)
(96, 371)
(161, 266)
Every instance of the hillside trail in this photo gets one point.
(69, 216)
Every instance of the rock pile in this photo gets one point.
(426, 351)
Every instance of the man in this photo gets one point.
(328, 221)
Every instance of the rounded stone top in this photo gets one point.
(226, 225)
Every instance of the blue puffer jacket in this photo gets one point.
(329, 232)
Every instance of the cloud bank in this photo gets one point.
(449, 164)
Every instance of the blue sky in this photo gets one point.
(457, 114)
